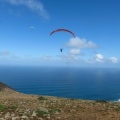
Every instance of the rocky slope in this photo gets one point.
(19, 106)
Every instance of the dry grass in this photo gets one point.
(54, 108)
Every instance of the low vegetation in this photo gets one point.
(14, 105)
(2, 107)
(41, 98)
(101, 101)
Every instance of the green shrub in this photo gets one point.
(101, 101)
(42, 98)
(2, 107)
(13, 107)
(54, 110)
(41, 112)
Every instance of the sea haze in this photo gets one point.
(82, 83)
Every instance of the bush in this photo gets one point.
(13, 107)
(2, 107)
(101, 101)
(42, 98)
(41, 112)
(52, 111)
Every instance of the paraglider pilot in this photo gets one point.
(61, 49)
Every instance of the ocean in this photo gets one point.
(68, 82)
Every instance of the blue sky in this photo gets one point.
(25, 27)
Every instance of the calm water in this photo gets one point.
(83, 83)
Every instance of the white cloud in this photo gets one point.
(34, 5)
(114, 59)
(74, 51)
(81, 43)
(99, 58)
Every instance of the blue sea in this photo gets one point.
(69, 82)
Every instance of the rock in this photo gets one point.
(74, 106)
(58, 118)
(57, 113)
(12, 115)
(48, 118)
(16, 118)
(24, 117)
(7, 116)
(73, 110)
(34, 114)
(43, 109)
(40, 118)
(2, 119)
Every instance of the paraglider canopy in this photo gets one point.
(63, 30)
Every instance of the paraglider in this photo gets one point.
(61, 49)
(62, 30)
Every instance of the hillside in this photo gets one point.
(19, 106)
(5, 88)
